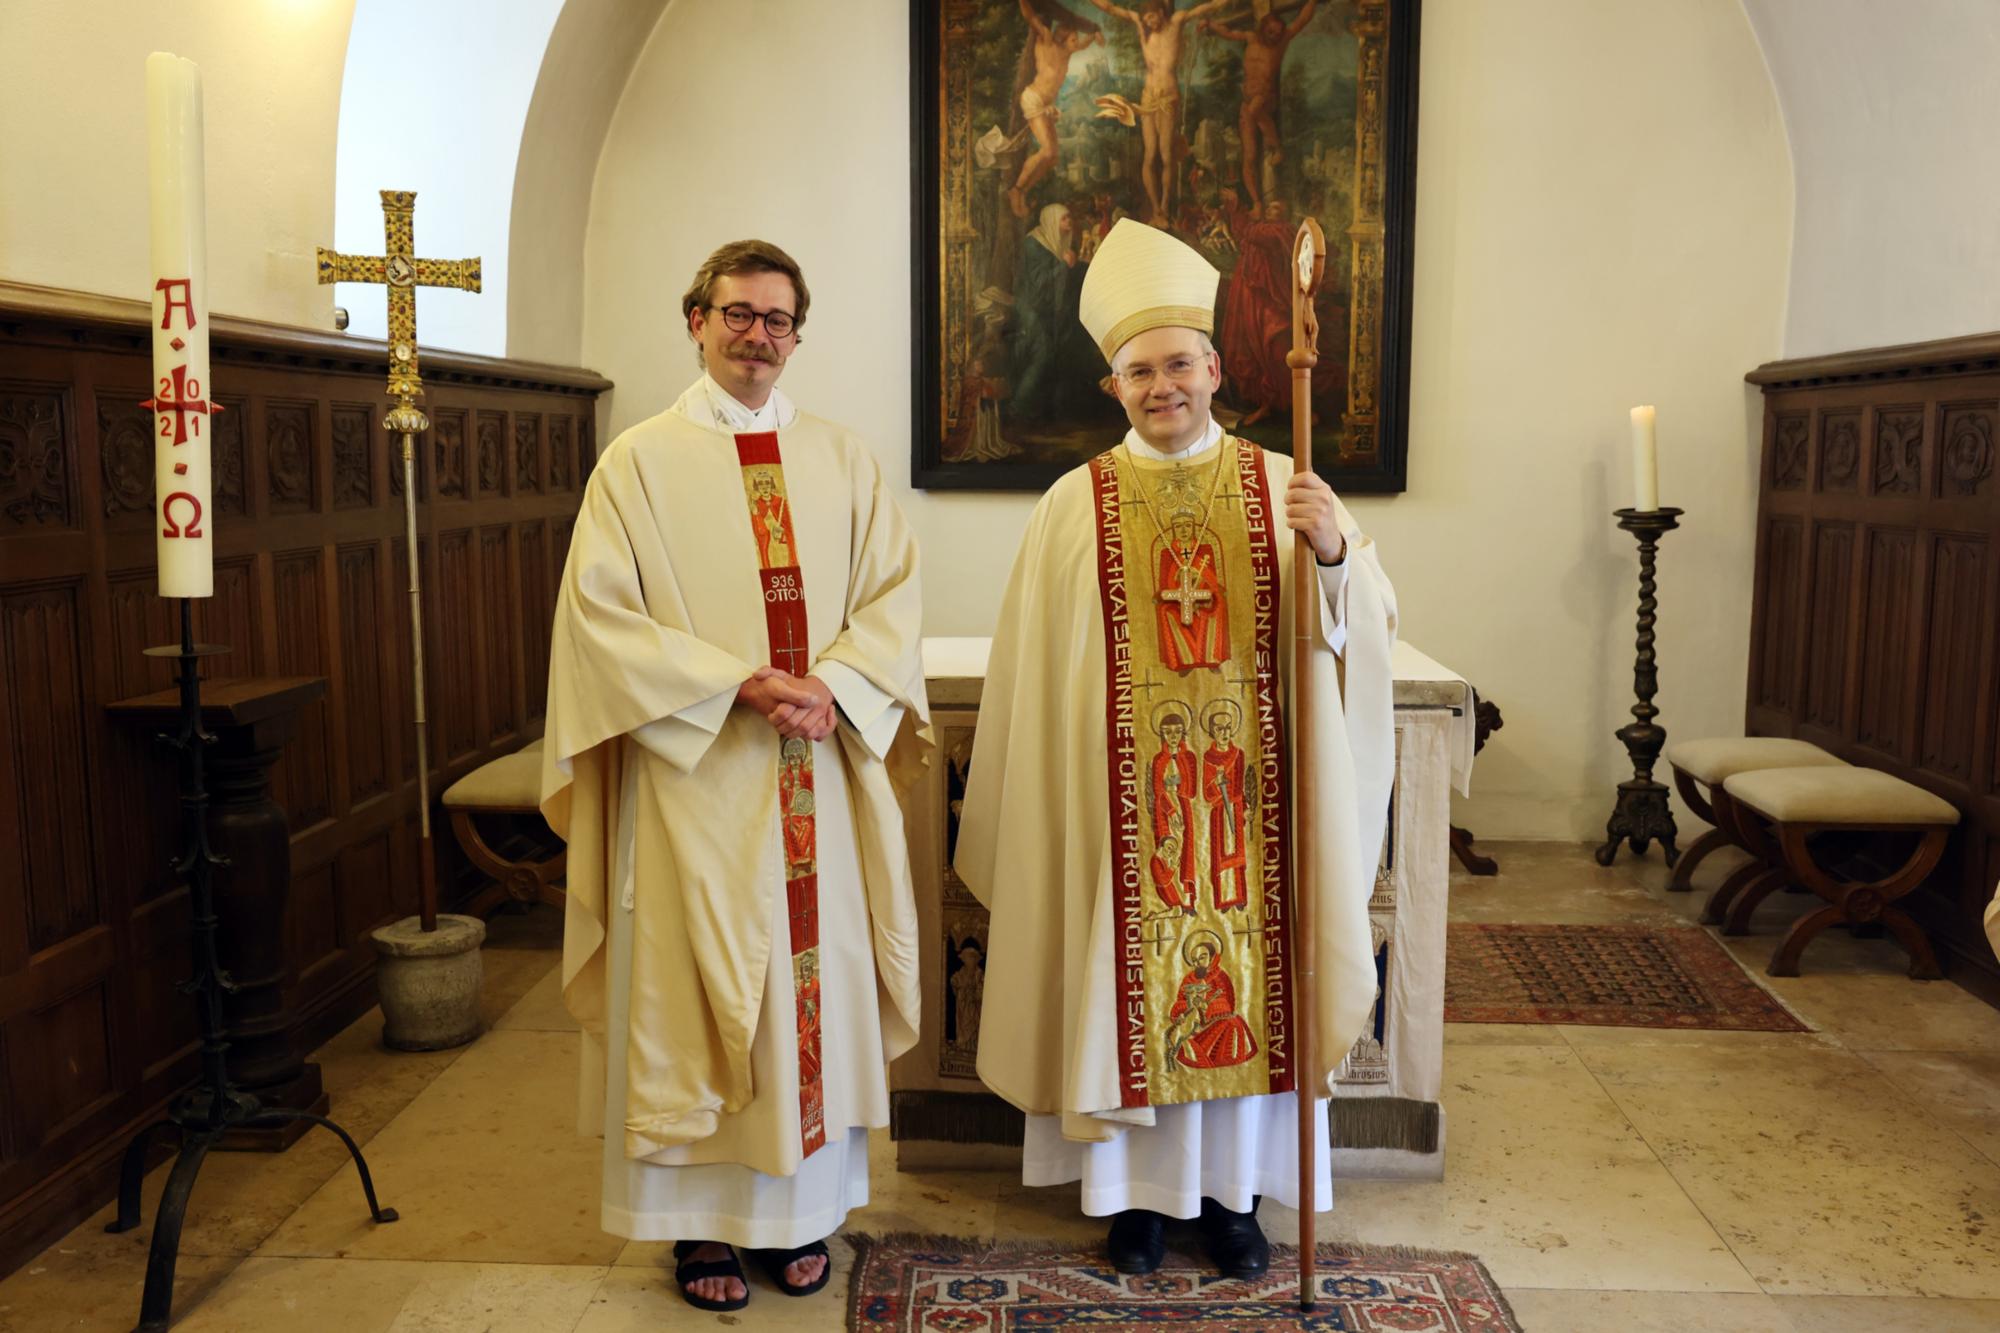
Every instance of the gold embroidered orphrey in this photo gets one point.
(1196, 768)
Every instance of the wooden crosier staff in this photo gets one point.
(1308, 264)
(400, 269)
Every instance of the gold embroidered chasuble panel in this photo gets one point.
(1196, 767)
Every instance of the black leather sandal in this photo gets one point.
(775, 1262)
(689, 1270)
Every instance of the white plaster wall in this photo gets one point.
(1890, 108)
(1603, 218)
(73, 209)
(433, 100)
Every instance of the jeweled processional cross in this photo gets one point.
(1190, 595)
(402, 272)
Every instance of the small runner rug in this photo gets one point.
(1607, 976)
(932, 1284)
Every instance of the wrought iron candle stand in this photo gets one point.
(204, 1114)
(1642, 813)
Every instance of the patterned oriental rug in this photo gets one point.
(932, 1284)
(1605, 976)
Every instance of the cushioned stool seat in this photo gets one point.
(1707, 763)
(1718, 758)
(1779, 811)
(512, 783)
(509, 785)
(1831, 796)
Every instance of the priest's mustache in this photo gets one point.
(753, 354)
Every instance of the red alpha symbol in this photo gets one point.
(180, 404)
(186, 302)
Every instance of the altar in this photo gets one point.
(1386, 1117)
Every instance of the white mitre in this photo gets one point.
(1141, 278)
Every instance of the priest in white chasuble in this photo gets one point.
(736, 703)
(1128, 816)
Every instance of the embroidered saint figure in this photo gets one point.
(1226, 788)
(1170, 799)
(1204, 1031)
(771, 523)
(1193, 615)
(795, 804)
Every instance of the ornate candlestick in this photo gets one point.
(1642, 813)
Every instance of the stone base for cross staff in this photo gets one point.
(1387, 1121)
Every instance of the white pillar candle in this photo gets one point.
(183, 411)
(1645, 462)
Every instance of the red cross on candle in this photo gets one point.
(180, 404)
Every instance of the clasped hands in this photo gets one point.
(793, 705)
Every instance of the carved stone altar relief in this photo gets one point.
(964, 925)
(1368, 1062)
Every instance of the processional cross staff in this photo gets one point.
(1308, 267)
(402, 272)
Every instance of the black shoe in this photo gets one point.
(1138, 1241)
(1235, 1242)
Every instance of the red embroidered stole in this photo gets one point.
(784, 589)
(1200, 836)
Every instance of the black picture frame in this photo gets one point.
(1376, 462)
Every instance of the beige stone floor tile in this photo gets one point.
(1545, 1310)
(639, 1299)
(1879, 1009)
(1878, 1314)
(1554, 882)
(96, 1291)
(1820, 1176)
(941, 1203)
(510, 974)
(1501, 1034)
(1961, 1090)
(1547, 1182)
(1045, 1212)
(377, 1296)
(485, 1166)
(541, 1009)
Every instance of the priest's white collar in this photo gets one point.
(1209, 439)
(707, 403)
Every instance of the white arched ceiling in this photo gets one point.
(434, 100)
(1896, 168)
(590, 55)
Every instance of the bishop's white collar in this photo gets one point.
(707, 403)
(1209, 439)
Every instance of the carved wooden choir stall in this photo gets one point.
(309, 572)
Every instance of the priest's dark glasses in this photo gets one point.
(739, 318)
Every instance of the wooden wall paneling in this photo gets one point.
(311, 574)
(1831, 597)
(1954, 640)
(1784, 572)
(364, 686)
(303, 777)
(498, 662)
(1901, 670)
(457, 687)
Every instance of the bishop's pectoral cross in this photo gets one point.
(1190, 595)
(401, 270)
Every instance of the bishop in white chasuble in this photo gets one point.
(740, 943)
(1126, 818)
